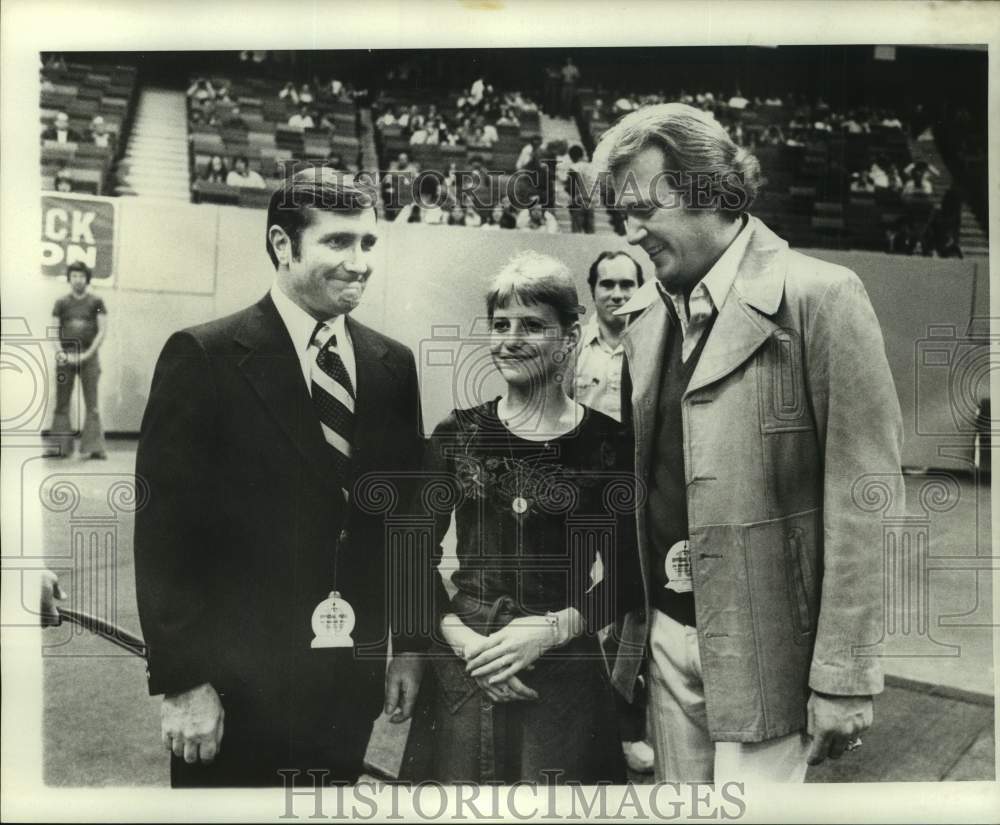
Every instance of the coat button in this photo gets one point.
(344, 535)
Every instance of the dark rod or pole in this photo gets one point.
(106, 630)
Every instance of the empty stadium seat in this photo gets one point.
(207, 192)
(830, 209)
(257, 198)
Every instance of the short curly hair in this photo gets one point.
(699, 155)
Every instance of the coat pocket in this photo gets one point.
(783, 405)
(801, 581)
(782, 568)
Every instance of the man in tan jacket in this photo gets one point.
(763, 407)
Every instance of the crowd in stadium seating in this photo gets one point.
(485, 133)
(822, 164)
(834, 178)
(741, 115)
(242, 131)
(473, 122)
(86, 111)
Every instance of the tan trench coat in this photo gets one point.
(791, 423)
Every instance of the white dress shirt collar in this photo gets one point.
(717, 282)
(301, 326)
(709, 294)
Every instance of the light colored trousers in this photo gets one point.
(679, 726)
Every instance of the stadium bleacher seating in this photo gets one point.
(807, 196)
(500, 158)
(83, 91)
(263, 136)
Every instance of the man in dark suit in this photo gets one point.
(257, 550)
(60, 131)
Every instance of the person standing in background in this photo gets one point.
(581, 211)
(613, 279)
(82, 319)
(570, 77)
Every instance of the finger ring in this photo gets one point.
(854, 744)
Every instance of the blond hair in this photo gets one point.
(697, 150)
(533, 278)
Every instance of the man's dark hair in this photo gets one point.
(246, 161)
(316, 187)
(79, 266)
(607, 256)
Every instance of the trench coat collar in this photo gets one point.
(742, 326)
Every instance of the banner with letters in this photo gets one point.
(78, 228)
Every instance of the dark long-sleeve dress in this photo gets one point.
(531, 518)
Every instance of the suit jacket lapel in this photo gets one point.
(273, 370)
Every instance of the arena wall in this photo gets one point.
(178, 265)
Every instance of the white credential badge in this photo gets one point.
(332, 622)
(677, 566)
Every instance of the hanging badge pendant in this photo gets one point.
(519, 505)
(332, 622)
(677, 566)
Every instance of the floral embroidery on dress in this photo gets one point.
(471, 476)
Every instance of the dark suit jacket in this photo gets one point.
(236, 544)
(50, 133)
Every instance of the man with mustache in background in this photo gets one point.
(261, 579)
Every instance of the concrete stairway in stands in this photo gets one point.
(559, 128)
(926, 151)
(563, 128)
(369, 157)
(972, 239)
(156, 161)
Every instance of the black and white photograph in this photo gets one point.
(492, 409)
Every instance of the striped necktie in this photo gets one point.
(333, 398)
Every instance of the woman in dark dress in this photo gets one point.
(539, 485)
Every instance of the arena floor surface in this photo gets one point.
(935, 720)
